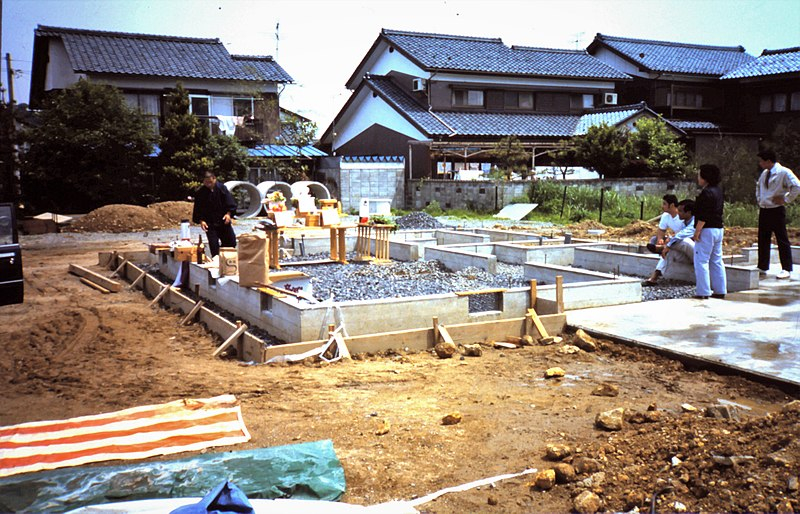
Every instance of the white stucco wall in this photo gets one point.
(615, 61)
(366, 111)
(59, 69)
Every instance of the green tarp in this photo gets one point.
(309, 471)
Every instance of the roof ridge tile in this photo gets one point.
(391, 32)
(129, 35)
(604, 37)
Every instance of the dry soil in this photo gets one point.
(70, 350)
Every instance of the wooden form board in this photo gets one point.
(100, 280)
(420, 339)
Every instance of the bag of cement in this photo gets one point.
(253, 259)
(228, 262)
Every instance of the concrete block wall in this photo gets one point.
(352, 181)
(477, 195)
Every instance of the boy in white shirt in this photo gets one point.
(669, 221)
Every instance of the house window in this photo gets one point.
(552, 102)
(147, 105)
(199, 104)
(588, 101)
(468, 97)
(243, 107)
(779, 102)
(765, 103)
(794, 105)
(688, 100)
(518, 100)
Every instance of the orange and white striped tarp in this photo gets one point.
(137, 433)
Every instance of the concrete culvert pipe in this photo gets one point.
(315, 189)
(247, 196)
(265, 188)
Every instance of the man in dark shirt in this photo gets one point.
(213, 209)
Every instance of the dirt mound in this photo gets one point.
(120, 218)
(173, 212)
(638, 229)
(705, 464)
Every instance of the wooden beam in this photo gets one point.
(482, 291)
(95, 286)
(119, 268)
(271, 292)
(240, 328)
(100, 280)
(445, 335)
(160, 294)
(192, 312)
(533, 294)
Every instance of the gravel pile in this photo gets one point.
(418, 221)
(400, 279)
(667, 290)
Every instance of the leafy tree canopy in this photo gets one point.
(88, 148)
(188, 150)
(511, 157)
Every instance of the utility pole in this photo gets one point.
(10, 74)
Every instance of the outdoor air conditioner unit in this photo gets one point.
(418, 85)
(609, 99)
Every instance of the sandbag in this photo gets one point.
(228, 262)
(253, 259)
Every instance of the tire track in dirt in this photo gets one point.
(87, 331)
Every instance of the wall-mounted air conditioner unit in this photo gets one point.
(609, 99)
(418, 85)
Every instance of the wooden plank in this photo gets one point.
(95, 286)
(482, 291)
(100, 280)
(445, 335)
(538, 323)
(271, 292)
(241, 327)
(192, 312)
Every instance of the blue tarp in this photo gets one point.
(307, 471)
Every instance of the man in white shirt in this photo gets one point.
(776, 187)
(669, 221)
(678, 248)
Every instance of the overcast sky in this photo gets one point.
(321, 42)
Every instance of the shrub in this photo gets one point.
(434, 209)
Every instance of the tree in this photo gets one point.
(785, 141)
(564, 157)
(188, 150)
(604, 149)
(88, 148)
(511, 157)
(658, 149)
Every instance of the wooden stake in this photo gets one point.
(445, 335)
(95, 286)
(119, 268)
(435, 329)
(241, 327)
(559, 294)
(192, 312)
(138, 279)
(533, 294)
(160, 294)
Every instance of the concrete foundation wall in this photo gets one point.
(458, 258)
(738, 278)
(596, 294)
(453, 237)
(546, 273)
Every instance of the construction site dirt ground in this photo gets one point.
(70, 351)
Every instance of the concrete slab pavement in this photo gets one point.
(755, 332)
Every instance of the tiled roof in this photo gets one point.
(770, 62)
(92, 51)
(695, 125)
(511, 124)
(490, 55)
(464, 123)
(665, 56)
(373, 158)
(285, 151)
